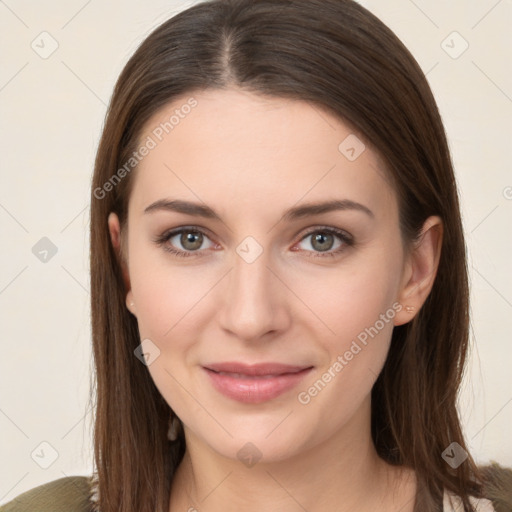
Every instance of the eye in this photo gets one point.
(189, 239)
(327, 242)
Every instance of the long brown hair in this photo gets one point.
(337, 55)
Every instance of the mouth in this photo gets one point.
(254, 383)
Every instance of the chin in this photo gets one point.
(266, 442)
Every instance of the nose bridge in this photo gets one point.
(250, 278)
(251, 306)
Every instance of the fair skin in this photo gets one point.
(251, 158)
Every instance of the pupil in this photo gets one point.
(322, 238)
(191, 240)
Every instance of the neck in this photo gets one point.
(342, 474)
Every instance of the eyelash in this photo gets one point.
(344, 237)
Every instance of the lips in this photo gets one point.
(254, 383)
(261, 369)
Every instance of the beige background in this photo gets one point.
(51, 112)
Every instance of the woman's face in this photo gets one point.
(260, 278)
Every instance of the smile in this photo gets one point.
(253, 385)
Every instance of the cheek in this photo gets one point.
(351, 297)
(358, 305)
(168, 299)
(166, 294)
(356, 325)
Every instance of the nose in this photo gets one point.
(253, 300)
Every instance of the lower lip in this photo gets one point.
(254, 390)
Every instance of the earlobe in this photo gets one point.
(130, 305)
(421, 270)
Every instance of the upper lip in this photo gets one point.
(255, 369)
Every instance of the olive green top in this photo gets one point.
(68, 494)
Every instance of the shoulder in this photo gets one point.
(68, 494)
(498, 486)
(452, 503)
(497, 490)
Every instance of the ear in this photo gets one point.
(115, 237)
(420, 270)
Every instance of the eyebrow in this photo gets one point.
(297, 212)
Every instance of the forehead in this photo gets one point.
(232, 147)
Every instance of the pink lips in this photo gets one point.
(254, 383)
